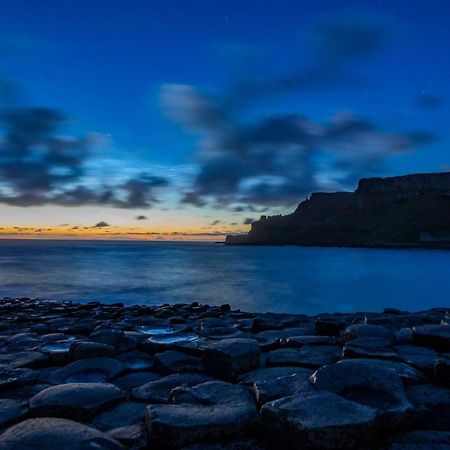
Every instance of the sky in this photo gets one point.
(188, 120)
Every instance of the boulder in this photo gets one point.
(122, 415)
(310, 356)
(369, 347)
(419, 357)
(284, 386)
(159, 391)
(230, 357)
(420, 440)
(212, 411)
(80, 350)
(369, 384)
(77, 401)
(87, 370)
(132, 436)
(363, 330)
(134, 380)
(318, 420)
(55, 434)
(172, 362)
(13, 378)
(271, 373)
(11, 411)
(434, 336)
(136, 361)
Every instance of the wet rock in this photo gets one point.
(284, 386)
(363, 330)
(159, 391)
(122, 415)
(80, 350)
(434, 336)
(87, 370)
(23, 359)
(136, 361)
(114, 338)
(241, 444)
(431, 406)
(133, 380)
(318, 420)
(270, 373)
(175, 341)
(12, 378)
(300, 341)
(420, 357)
(420, 440)
(230, 357)
(404, 336)
(216, 411)
(368, 347)
(55, 434)
(76, 401)
(369, 384)
(330, 326)
(442, 371)
(132, 436)
(11, 411)
(272, 321)
(311, 356)
(172, 362)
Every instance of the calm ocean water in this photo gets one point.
(282, 279)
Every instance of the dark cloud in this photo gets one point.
(141, 217)
(281, 157)
(101, 224)
(215, 222)
(38, 166)
(248, 221)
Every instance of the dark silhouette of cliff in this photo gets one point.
(404, 211)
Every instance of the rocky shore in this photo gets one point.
(98, 376)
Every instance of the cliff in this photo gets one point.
(404, 211)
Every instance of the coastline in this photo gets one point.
(209, 377)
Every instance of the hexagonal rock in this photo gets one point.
(318, 420)
(230, 357)
(363, 330)
(74, 400)
(370, 347)
(11, 411)
(23, 359)
(172, 361)
(271, 373)
(284, 386)
(442, 371)
(55, 434)
(431, 406)
(87, 370)
(80, 350)
(159, 391)
(434, 336)
(12, 378)
(125, 414)
(369, 384)
(212, 411)
(134, 380)
(420, 440)
(420, 357)
(310, 356)
(132, 436)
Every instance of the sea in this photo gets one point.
(280, 279)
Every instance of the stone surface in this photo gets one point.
(55, 434)
(420, 357)
(229, 358)
(270, 373)
(173, 362)
(11, 411)
(76, 401)
(159, 391)
(125, 414)
(211, 411)
(434, 336)
(312, 356)
(87, 370)
(421, 440)
(370, 347)
(363, 330)
(318, 420)
(369, 384)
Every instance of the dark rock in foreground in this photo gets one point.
(403, 211)
(189, 376)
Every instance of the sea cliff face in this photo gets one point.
(404, 211)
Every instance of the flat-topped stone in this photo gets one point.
(229, 358)
(318, 420)
(75, 401)
(55, 434)
(434, 336)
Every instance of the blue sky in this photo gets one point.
(110, 65)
